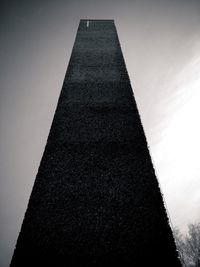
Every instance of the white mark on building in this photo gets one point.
(88, 23)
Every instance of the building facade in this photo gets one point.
(96, 200)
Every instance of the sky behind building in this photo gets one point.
(160, 42)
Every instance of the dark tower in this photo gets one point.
(96, 200)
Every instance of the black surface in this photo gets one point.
(96, 199)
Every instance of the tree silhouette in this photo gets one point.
(188, 245)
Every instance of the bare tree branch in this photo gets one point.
(188, 246)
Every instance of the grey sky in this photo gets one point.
(161, 44)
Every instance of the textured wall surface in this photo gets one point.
(96, 200)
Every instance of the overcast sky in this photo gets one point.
(161, 45)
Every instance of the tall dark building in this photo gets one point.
(96, 200)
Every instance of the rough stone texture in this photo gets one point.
(96, 200)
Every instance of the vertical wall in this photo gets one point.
(96, 199)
